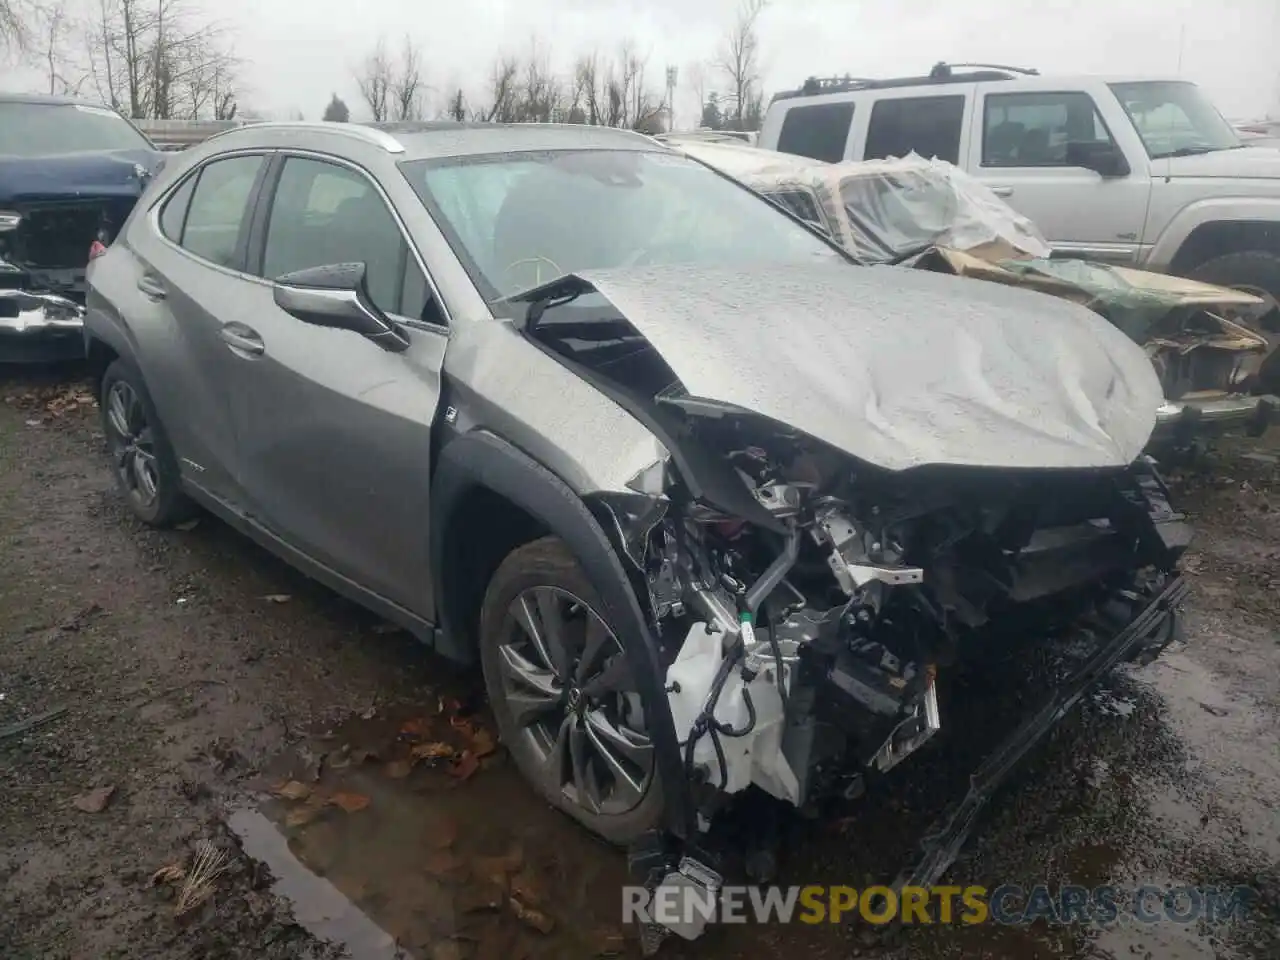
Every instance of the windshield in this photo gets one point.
(42, 129)
(521, 220)
(1175, 119)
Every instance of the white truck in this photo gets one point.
(1141, 173)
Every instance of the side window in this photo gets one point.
(174, 214)
(817, 131)
(798, 202)
(929, 126)
(1034, 129)
(323, 213)
(218, 208)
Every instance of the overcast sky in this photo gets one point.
(298, 51)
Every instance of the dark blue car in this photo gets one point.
(70, 172)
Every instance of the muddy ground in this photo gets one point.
(163, 694)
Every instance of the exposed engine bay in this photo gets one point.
(804, 649)
(806, 602)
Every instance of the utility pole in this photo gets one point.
(671, 99)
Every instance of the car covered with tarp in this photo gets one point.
(1218, 370)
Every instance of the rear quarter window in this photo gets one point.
(928, 126)
(174, 213)
(817, 130)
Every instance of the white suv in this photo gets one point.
(1135, 172)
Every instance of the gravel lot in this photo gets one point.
(164, 694)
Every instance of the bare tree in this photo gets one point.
(739, 60)
(457, 106)
(503, 93)
(16, 24)
(63, 74)
(155, 58)
(406, 83)
(374, 81)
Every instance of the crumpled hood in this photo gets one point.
(115, 173)
(898, 367)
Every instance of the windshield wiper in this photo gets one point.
(1191, 152)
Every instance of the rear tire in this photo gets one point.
(143, 462)
(572, 721)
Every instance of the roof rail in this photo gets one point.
(940, 73)
(379, 138)
(941, 69)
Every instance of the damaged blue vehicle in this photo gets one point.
(70, 172)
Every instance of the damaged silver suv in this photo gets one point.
(713, 505)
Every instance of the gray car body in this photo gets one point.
(321, 445)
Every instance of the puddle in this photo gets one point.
(318, 906)
(395, 859)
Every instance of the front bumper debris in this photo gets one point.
(39, 327)
(1142, 640)
(1181, 422)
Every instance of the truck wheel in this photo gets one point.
(145, 467)
(1255, 271)
(563, 695)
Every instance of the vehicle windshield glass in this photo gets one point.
(521, 220)
(1175, 119)
(42, 129)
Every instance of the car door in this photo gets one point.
(189, 273)
(1020, 151)
(334, 431)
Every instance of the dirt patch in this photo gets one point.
(185, 679)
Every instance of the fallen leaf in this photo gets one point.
(525, 886)
(301, 816)
(95, 801)
(483, 742)
(464, 766)
(350, 802)
(447, 950)
(171, 873)
(369, 714)
(291, 790)
(441, 862)
(532, 918)
(417, 727)
(443, 834)
(435, 750)
(399, 769)
(478, 897)
(277, 598)
(501, 865)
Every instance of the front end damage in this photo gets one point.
(54, 212)
(806, 603)
(37, 326)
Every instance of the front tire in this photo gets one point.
(562, 692)
(143, 462)
(1254, 271)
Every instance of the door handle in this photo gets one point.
(242, 341)
(1002, 191)
(151, 287)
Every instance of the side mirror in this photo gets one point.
(335, 296)
(1101, 156)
